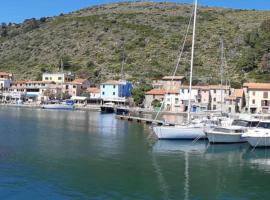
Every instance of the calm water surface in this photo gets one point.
(85, 155)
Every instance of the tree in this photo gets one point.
(138, 94)
(156, 103)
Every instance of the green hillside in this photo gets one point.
(91, 42)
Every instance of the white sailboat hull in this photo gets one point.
(215, 137)
(58, 107)
(180, 133)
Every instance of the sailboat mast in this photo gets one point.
(62, 82)
(221, 73)
(192, 59)
(123, 62)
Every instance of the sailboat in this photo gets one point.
(192, 130)
(62, 105)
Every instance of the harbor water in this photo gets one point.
(85, 155)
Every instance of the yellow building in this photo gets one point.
(58, 77)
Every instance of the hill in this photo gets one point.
(91, 42)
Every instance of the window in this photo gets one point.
(253, 101)
(265, 95)
(214, 99)
(253, 93)
(215, 91)
(113, 93)
(176, 101)
(46, 78)
(59, 78)
(214, 107)
(103, 86)
(103, 93)
(113, 86)
(50, 78)
(74, 86)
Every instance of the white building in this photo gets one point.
(5, 80)
(257, 97)
(218, 93)
(58, 77)
(172, 101)
(199, 98)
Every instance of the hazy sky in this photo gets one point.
(18, 10)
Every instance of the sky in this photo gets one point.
(19, 10)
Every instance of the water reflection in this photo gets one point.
(229, 152)
(174, 146)
(164, 147)
(258, 158)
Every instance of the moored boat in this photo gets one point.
(260, 136)
(231, 134)
(67, 105)
(107, 108)
(122, 110)
(195, 130)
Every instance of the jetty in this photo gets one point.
(143, 120)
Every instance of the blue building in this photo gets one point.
(115, 91)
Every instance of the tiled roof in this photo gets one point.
(238, 93)
(111, 82)
(156, 92)
(199, 87)
(93, 90)
(5, 74)
(20, 82)
(29, 82)
(173, 78)
(259, 86)
(79, 81)
(172, 92)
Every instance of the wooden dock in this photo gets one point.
(142, 120)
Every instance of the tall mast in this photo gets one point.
(192, 59)
(62, 82)
(222, 72)
(123, 62)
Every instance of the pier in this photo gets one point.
(143, 120)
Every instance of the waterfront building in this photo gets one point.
(172, 101)
(5, 80)
(58, 77)
(76, 87)
(94, 95)
(154, 97)
(200, 98)
(168, 83)
(257, 97)
(6, 76)
(116, 91)
(217, 96)
(235, 102)
(33, 90)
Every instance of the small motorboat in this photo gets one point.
(232, 133)
(260, 136)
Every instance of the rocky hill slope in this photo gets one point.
(93, 42)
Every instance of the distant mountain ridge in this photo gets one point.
(94, 41)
